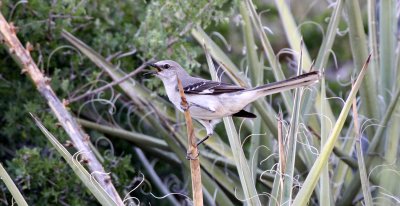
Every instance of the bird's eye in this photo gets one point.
(167, 66)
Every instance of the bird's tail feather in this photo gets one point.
(294, 82)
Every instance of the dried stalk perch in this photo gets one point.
(79, 138)
(193, 152)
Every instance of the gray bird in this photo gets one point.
(209, 101)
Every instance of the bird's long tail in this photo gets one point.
(294, 82)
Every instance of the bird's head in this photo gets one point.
(167, 69)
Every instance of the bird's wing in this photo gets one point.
(211, 88)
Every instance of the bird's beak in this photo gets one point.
(154, 66)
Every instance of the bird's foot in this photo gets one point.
(191, 156)
(185, 107)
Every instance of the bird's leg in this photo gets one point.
(202, 140)
(209, 125)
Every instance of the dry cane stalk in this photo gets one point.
(79, 138)
(282, 156)
(192, 150)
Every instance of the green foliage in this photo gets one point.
(168, 21)
(19, 97)
(121, 170)
(44, 178)
(164, 30)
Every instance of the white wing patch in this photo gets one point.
(196, 86)
(207, 91)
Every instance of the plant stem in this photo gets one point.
(194, 161)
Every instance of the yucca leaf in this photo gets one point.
(309, 184)
(269, 53)
(372, 37)
(256, 73)
(360, 158)
(387, 43)
(322, 59)
(291, 148)
(243, 169)
(358, 43)
(354, 184)
(325, 185)
(86, 178)
(17, 196)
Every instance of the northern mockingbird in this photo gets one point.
(209, 101)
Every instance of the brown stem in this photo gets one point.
(282, 156)
(192, 150)
(79, 138)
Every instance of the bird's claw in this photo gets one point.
(185, 107)
(189, 155)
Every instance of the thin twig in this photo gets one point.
(133, 73)
(192, 151)
(282, 156)
(79, 138)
